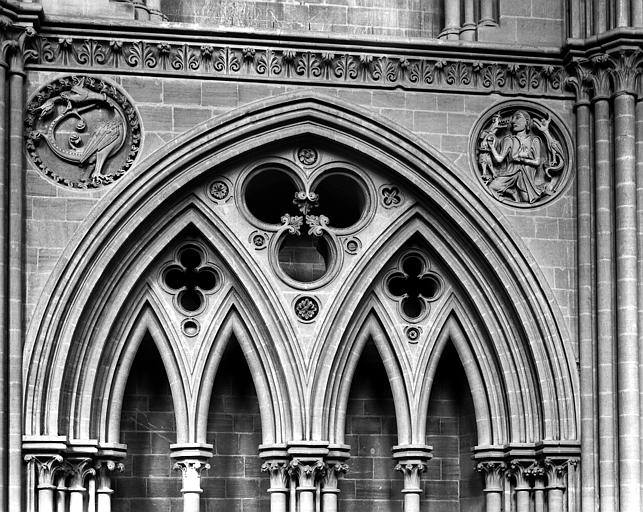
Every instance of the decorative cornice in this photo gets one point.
(329, 65)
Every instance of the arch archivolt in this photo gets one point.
(103, 299)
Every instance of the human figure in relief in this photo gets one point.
(517, 159)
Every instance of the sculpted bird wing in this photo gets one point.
(104, 135)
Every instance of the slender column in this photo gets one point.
(586, 320)
(622, 13)
(278, 472)
(556, 472)
(518, 472)
(155, 10)
(451, 20)
(191, 472)
(600, 16)
(605, 297)
(468, 30)
(537, 474)
(639, 190)
(626, 281)
(494, 473)
(307, 473)
(16, 275)
(61, 493)
(80, 470)
(637, 13)
(329, 489)
(104, 470)
(48, 468)
(486, 12)
(412, 471)
(4, 349)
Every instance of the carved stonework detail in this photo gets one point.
(390, 196)
(413, 286)
(307, 156)
(82, 132)
(412, 472)
(278, 473)
(48, 467)
(306, 308)
(306, 472)
(521, 154)
(332, 472)
(220, 190)
(556, 472)
(413, 333)
(331, 65)
(493, 473)
(258, 239)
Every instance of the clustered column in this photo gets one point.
(610, 203)
(460, 18)
(71, 484)
(542, 482)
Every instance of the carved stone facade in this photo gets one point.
(321, 258)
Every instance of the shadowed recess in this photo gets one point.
(148, 428)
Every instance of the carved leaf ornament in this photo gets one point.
(82, 132)
(520, 153)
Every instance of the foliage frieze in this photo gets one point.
(333, 65)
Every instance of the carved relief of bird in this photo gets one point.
(47, 107)
(106, 139)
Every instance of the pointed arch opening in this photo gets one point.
(148, 427)
(451, 481)
(234, 428)
(371, 432)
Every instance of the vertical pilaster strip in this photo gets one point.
(16, 276)
(639, 193)
(585, 283)
(626, 283)
(600, 16)
(637, 13)
(451, 20)
(605, 299)
(4, 347)
(486, 12)
(468, 31)
(622, 13)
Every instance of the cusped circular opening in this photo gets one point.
(190, 300)
(413, 307)
(304, 258)
(342, 199)
(269, 195)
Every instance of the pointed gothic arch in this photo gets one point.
(533, 347)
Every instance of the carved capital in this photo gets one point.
(412, 471)
(278, 472)
(625, 71)
(580, 82)
(600, 77)
(48, 467)
(307, 472)
(191, 472)
(79, 469)
(494, 472)
(104, 470)
(556, 471)
(518, 470)
(332, 472)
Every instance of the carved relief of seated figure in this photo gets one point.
(516, 161)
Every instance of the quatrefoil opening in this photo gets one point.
(190, 279)
(414, 287)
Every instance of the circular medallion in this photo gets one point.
(307, 156)
(520, 153)
(82, 132)
(306, 308)
(219, 190)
